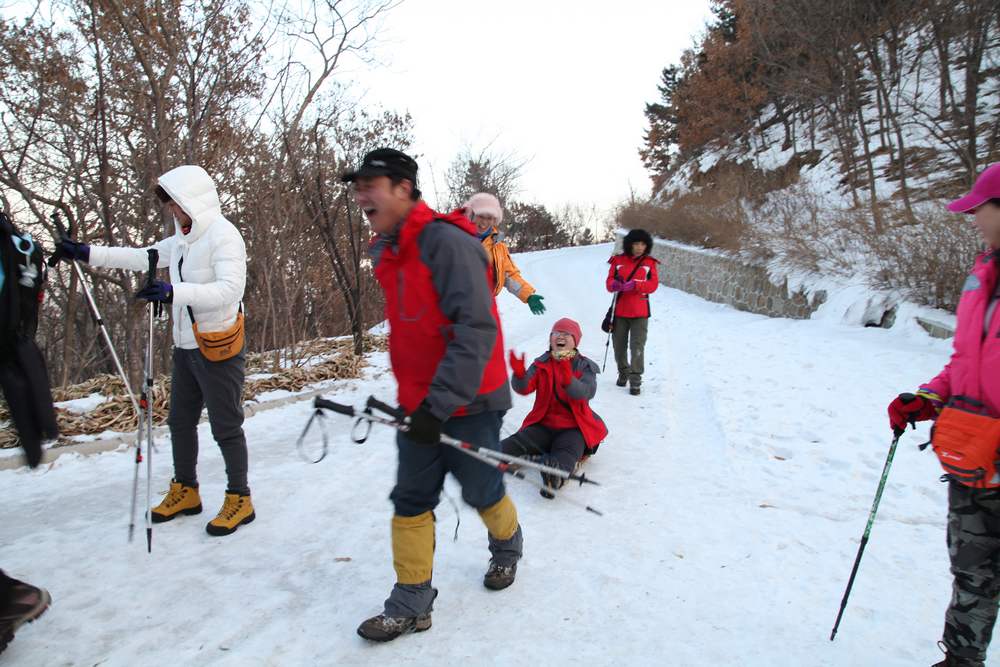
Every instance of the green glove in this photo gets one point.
(535, 303)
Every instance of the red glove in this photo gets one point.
(564, 372)
(516, 364)
(907, 408)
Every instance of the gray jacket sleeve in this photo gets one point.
(521, 384)
(457, 263)
(584, 386)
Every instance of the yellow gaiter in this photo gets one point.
(500, 519)
(413, 547)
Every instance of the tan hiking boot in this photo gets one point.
(236, 511)
(180, 499)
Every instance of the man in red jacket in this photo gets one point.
(446, 351)
(632, 277)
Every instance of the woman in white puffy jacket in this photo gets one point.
(207, 258)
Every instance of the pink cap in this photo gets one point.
(569, 326)
(987, 187)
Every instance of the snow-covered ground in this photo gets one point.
(734, 492)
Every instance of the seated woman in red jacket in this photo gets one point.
(561, 429)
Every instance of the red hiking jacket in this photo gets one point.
(540, 378)
(634, 303)
(445, 340)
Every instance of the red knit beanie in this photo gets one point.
(569, 326)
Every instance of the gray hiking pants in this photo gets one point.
(629, 340)
(974, 547)
(195, 383)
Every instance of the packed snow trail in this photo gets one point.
(735, 490)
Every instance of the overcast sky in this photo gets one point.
(559, 83)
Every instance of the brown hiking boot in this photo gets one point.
(499, 577)
(27, 603)
(384, 628)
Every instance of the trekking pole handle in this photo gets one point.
(396, 413)
(154, 258)
(62, 234)
(321, 403)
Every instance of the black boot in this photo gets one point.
(634, 390)
(621, 381)
(951, 660)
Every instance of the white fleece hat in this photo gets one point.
(483, 202)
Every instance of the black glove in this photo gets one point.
(423, 427)
(69, 250)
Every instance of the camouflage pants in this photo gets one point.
(974, 547)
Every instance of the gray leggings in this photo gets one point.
(629, 339)
(195, 383)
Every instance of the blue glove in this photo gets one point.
(158, 290)
(69, 250)
(535, 303)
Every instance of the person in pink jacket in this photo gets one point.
(964, 398)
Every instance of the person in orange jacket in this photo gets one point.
(561, 429)
(484, 210)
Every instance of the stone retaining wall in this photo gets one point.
(718, 277)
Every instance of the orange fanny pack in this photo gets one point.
(966, 444)
(221, 345)
(217, 345)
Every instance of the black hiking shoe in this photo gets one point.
(551, 482)
(384, 628)
(621, 381)
(499, 577)
(635, 391)
(27, 603)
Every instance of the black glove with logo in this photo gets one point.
(423, 428)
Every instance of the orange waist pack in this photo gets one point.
(966, 444)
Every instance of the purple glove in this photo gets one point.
(629, 286)
(157, 291)
(616, 285)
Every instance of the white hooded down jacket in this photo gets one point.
(214, 254)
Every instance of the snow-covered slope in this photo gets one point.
(734, 492)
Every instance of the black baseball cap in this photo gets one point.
(384, 162)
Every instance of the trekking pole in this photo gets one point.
(607, 343)
(96, 314)
(146, 417)
(155, 308)
(512, 470)
(469, 447)
(499, 460)
(868, 528)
